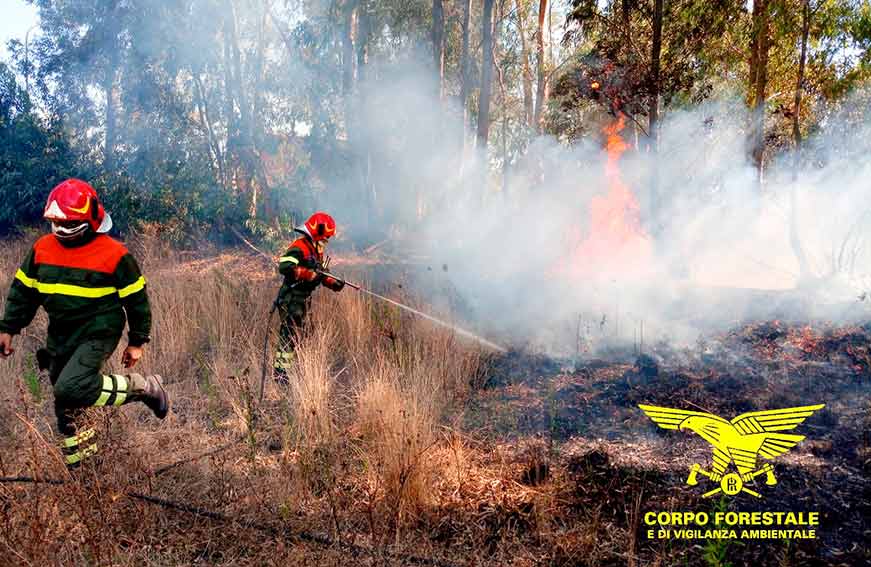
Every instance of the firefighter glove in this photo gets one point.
(334, 284)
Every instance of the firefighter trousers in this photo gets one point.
(79, 383)
(292, 322)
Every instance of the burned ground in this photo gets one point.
(611, 459)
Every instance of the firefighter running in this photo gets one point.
(300, 266)
(86, 282)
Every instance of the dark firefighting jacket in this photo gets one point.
(85, 290)
(301, 254)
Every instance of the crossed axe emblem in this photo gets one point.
(732, 483)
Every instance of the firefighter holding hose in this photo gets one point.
(302, 266)
(89, 285)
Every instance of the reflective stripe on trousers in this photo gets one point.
(115, 390)
(76, 448)
(284, 360)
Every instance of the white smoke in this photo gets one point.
(721, 251)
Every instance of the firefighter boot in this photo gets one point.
(149, 390)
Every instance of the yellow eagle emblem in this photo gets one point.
(740, 442)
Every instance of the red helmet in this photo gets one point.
(75, 200)
(320, 226)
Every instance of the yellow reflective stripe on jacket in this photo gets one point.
(135, 287)
(64, 289)
(22, 277)
(284, 259)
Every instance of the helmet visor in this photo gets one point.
(106, 225)
(69, 230)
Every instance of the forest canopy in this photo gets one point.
(204, 114)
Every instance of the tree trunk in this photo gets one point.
(256, 126)
(364, 24)
(364, 28)
(799, 84)
(232, 121)
(438, 43)
(503, 99)
(625, 10)
(524, 61)
(541, 92)
(794, 235)
(348, 49)
(349, 59)
(655, 56)
(486, 75)
(465, 79)
(550, 30)
(214, 146)
(653, 112)
(758, 83)
(238, 87)
(245, 152)
(229, 106)
(465, 87)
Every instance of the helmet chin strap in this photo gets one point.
(63, 233)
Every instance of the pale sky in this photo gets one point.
(16, 17)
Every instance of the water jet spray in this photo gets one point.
(454, 328)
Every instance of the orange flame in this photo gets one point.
(616, 244)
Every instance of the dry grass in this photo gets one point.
(362, 410)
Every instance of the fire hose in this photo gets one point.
(455, 328)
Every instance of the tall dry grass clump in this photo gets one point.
(400, 378)
(207, 335)
(311, 388)
(396, 426)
